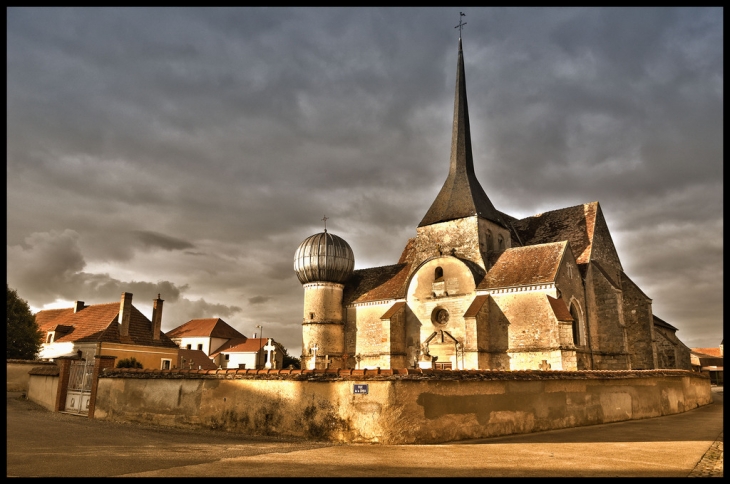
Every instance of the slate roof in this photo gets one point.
(660, 322)
(560, 309)
(461, 195)
(575, 224)
(99, 323)
(209, 327)
(521, 266)
(393, 309)
(476, 305)
(242, 345)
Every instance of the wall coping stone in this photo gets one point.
(390, 374)
(30, 362)
(45, 370)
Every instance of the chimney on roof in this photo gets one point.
(78, 306)
(156, 318)
(125, 313)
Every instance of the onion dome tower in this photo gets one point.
(323, 262)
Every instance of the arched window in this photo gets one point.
(490, 242)
(576, 324)
(438, 274)
(500, 242)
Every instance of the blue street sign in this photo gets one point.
(360, 388)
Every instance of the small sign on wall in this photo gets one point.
(359, 388)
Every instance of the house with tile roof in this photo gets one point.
(479, 289)
(112, 329)
(225, 346)
(709, 361)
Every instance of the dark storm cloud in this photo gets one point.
(136, 134)
(154, 239)
(50, 266)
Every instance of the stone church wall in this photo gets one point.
(671, 352)
(639, 326)
(372, 336)
(605, 321)
(392, 406)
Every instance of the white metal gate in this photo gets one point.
(79, 387)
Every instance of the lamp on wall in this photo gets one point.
(261, 335)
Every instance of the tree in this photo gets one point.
(290, 360)
(129, 363)
(24, 336)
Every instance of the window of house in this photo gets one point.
(490, 244)
(500, 242)
(49, 337)
(166, 364)
(439, 273)
(228, 357)
(190, 347)
(200, 347)
(242, 366)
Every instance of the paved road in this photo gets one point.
(45, 444)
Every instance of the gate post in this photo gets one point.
(64, 366)
(101, 363)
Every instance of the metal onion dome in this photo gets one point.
(324, 257)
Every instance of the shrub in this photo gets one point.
(129, 363)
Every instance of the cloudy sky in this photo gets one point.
(188, 152)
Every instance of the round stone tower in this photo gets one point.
(323, 263)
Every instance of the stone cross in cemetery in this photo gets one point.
(270, 349)
(313, 361)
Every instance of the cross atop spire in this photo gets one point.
(324, 219)
(461, 24)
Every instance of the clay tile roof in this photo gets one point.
(99, 323)
(393, 309)
(715, 352)
(89, 324)
(46, 319)
(242, 345)
(198, 358)
(574, 224)
(475, 306)
(560, 309)
(520, 266)
(377, 283)
(210, 327)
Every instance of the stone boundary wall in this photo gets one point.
(400, 407)
(18, 379)
(43, 386)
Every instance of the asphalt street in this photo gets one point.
(46, 444)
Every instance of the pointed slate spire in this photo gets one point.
(462, 195)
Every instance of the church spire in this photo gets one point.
(462, 195)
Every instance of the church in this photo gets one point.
(479, 289)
